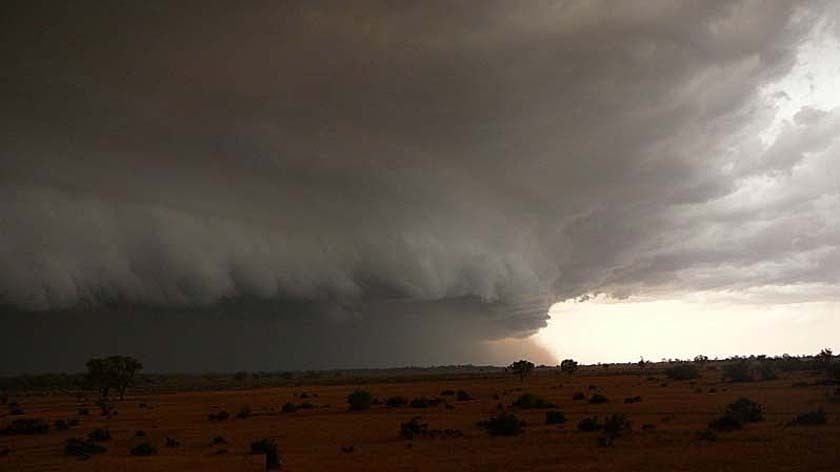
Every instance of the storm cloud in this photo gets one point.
(311, 184)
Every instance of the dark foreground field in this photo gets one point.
(665, 432)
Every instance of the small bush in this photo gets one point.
(79, 448)
(555, 417)
(396, 402)
(269, 448)
(61, 425)
(707, 435)
(589, 424)
(447, 393)
(682, 372)
(635, 399)
(463, 396)
(244, 412)
(360, 400)
(423, 402)
(598, 399)
(413, 428)
(99, 435)
(529, 401)
(811, 418)
(220, 416)
(745, 410)
(738, 372)
(140, 433)
(83, 411)
(26, 427)
(289, 407)
(616, 424)
(143, 449)
(505, 424)
(726, 423)
(172, 442)
(579, 396)
(219, 440)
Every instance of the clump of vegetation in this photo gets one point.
(80, 448)
(99, 435)
(244, 412)
(61, 425)
(269, 448)
(589, 424)
(28, 426)
(143, 449)
(635, 399)
(504, 424)
(707, 435)
(140, 433)
(83, 411)
(579, 396)
(529, 401)
(598, 399)
(811, 418)
(447, 393)
(423, 402)
(683, 371)
(289, 407)
(413, 428)
(171, 442)
(616, 424)
(569, 366)
(555, 417)
(521, 368)
(739, 371)
(463, 396)
(396, 401)
(219, 440)
(220, 416)
(360, 400)
(737, 414)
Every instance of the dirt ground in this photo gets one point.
(312, 439)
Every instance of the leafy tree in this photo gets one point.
(360, 400)
(114, 372)
(701, 359)
(825, 356)
(569, 366)
(521, 368)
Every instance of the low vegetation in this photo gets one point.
(360, 400)
(504, 424)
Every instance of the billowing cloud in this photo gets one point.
(401, 183)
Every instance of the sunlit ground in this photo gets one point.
(604, 330)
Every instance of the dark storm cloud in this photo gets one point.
(431, 174)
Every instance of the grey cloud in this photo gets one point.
(461, 164)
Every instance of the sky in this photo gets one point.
(217, 186)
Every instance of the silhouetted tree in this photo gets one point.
(114, 372)
(569, 366)
(521, 368)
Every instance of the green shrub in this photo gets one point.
(739, 371)
(529, 401)
(396, 402)
(682, 372)
(360, 400)
(79, 448)
(413, 428)
(589, 424)
(811, 418)
(598, 399)
(27, 426)
(505, 424)
(143, 449)
(555, 417)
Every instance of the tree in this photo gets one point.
(825, 356)
(642, 363)
(521, 368)
(701, 359)
(114, 372)
(569, 366)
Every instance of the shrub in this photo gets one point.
(834, 372)
(589, 424)
(99, 434)
(767, 372)
(707, 435)
(219, 440)
(530, 401)
(505, 424)
(463, 396)
(83, 411)
(682, 372)
(737, 372)
(598, 399)
(220, 416)
(413, 428)
(635, 399)
(816, 417)
(269, 448)
(396, 402)
(244, 412)
(745, 410)
(143, 449)
(26, 427)
(360, 400)
(726, 423)
(423, 402)
(61, 425)
(447, 393)
(172, 442)
(140, 433)
(289, 407)
(555, 417)
(616, 424)
(579, 396)
(80, 448)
